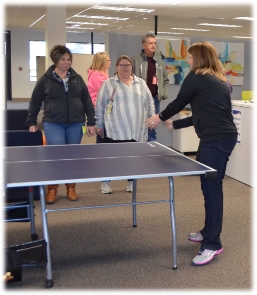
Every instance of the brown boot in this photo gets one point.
(71, 192)
(51, 194)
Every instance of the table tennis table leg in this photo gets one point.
(34, 236)
(134, 199)
(173, 224)
(49, 280)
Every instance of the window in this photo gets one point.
(38, 48)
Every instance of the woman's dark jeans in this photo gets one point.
(214, 154)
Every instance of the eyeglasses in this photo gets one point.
(151, 43)
(125, 65)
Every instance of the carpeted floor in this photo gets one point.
(99, 250)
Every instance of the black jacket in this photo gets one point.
(211, 107)
(61, 107)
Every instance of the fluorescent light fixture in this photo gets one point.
(77, 28)
(219, 25)
(189, 29)
(241, 37)
(37, 21)
(123, 8)
(170, 33)
(74, 32)
(165, 2)
(244, 17)
(86, 23)
(101, 17)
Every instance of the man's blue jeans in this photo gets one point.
(152, 133)
(59, 133)
(214, 154)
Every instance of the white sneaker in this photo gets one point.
(106, 187)
(129, 187)
(195, 237)
(205, 256)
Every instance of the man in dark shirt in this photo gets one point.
(152, 69)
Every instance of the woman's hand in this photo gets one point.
(169, 124)
(153, 121)
(33, 128)
(100, 132)
(90, 130)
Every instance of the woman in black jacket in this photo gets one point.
(205, 89)
(67, 106)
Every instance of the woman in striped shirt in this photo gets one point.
(124, 102)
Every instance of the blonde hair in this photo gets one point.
(100, 61)
(205, 60)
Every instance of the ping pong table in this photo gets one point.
(44, 165)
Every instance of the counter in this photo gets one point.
(240, 164)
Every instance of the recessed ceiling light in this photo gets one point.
(86, 23)
(37, 21)
(123, 8)
(77, 28)
(219, 25)
(170, 33)
(75, 32)
(242, 37)
(101, 17)
(189, 29)
(244, 17)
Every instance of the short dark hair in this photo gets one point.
(123, 57)
(58, 51)
(120, 58)
(146, 37)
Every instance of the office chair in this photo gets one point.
(17, 211)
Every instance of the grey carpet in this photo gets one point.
(98, 249)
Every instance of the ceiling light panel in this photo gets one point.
(189, 29)
(219, 25)
(123, 8)
(86, 23)
(101, 17)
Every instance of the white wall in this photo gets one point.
(21, 85)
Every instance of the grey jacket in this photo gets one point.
(140, 66)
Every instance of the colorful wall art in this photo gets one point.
(232, 57)
(174, 53)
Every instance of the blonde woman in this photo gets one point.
(97, 74)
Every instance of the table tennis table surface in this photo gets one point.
(42, 165)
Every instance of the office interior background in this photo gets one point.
(27, 22)
(118, 42)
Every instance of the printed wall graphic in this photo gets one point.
(232, 57)
(174, 55)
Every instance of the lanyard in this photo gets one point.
(112, 96)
